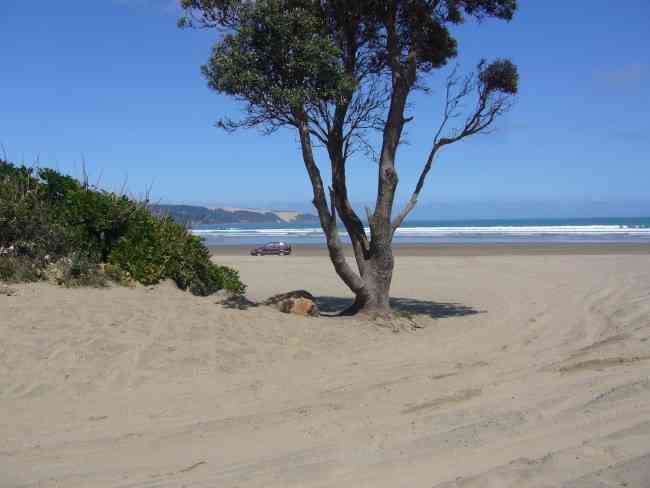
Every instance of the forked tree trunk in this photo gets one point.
(376, 273)
(374, 256)
(374, 299)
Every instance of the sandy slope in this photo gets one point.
(534, 371)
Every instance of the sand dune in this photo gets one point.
(526, 371)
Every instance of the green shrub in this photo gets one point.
(27, 222)
(159, 248)
(59, 227)
(117, 275)
(97, 219)
(80, 270)
(229, 279)
(21, 269)
(137, 252)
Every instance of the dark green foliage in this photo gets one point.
(281, 54)
(500, 75)
(139, 251)
(28, 222)
(503, 9)
(229, 278)
(278, 57)
(54, 227)
(99, 218)
(158, 248)
(57, 186)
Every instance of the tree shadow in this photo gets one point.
(332, 306)
(237, 303)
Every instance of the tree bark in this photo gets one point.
(371, 286)
(374, 256)
(326, 216)
(378, 262)
(374, 299)
(374, 302)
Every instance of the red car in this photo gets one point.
(280, 248)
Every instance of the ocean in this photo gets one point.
(591, 230)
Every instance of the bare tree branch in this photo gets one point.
(491, 102)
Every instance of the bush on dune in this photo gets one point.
(159, 248)
(53, 226)
(27, 222)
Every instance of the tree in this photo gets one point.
(336, 70)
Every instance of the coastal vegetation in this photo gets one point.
(337, 72)
(55, 227)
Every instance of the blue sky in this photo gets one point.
(114, 83)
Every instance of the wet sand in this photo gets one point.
(507, 249)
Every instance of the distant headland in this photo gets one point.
(193, 215)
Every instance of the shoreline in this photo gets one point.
(464, 249)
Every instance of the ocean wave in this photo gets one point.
(258, 232)
(475, 231)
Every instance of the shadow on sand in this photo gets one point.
(411, 306)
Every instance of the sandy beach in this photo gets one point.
(466, 249)
(521, 368)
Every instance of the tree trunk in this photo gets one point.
(376, 267)
(377, 273)
(374, 256)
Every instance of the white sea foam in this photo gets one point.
(258, 232)
(423, 232)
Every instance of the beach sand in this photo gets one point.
(527, 369)
(466, 249)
